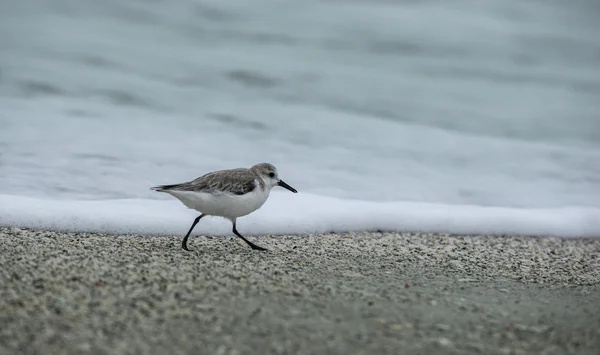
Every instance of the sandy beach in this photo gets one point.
(351, 293)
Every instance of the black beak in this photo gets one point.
(283, 184)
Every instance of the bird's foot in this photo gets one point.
(256, 247)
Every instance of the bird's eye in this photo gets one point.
(272, 175)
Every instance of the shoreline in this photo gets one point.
(334, 293)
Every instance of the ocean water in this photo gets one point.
(456, 116)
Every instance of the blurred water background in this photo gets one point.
(486, 103)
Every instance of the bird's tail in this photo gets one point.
(161, 188)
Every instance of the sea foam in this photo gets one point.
(301, 213)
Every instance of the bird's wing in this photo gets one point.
(233, 181)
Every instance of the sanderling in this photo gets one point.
(228, 193)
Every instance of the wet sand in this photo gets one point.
(351, 293)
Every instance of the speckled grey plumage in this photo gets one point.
(237, 181)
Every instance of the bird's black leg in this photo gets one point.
(184, 242)
(252, 245)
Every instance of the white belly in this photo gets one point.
(221, 204)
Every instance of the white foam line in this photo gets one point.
(286, 213)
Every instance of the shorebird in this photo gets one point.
(230, 193)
